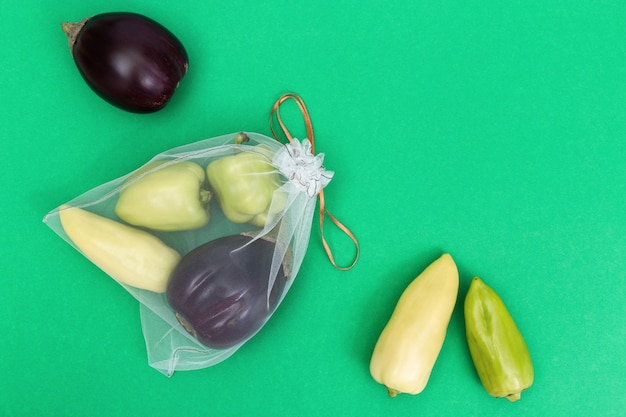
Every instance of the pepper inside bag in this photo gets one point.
(208, 237)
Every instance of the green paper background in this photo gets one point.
(490, 130)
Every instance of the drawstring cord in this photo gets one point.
(323, 211)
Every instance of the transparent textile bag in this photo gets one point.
(173, 342)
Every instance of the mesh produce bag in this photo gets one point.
(208, 237)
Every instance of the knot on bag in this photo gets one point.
(297, 162)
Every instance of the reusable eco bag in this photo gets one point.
(208, 237)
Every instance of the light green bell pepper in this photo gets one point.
(244, 185)
(170, 198)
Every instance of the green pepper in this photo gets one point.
(170, 198)
(244, 185)
(496, 345)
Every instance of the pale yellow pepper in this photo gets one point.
(409, 345)
(128, 255)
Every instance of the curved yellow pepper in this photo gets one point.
(126, 254)
(409, 345)
(170, 198)
(244, 185)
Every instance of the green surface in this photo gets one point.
(491, 130)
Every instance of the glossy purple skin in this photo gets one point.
(130, 61)
(219, 291)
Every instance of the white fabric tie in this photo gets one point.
(296, 162)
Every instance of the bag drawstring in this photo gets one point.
(323, 211)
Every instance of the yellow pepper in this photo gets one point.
(409, 345)
(499, 352)
(126, 254)
(244, 185)
(170, 198)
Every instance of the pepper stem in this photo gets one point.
(392, 392)
(241, 138)
(514, 397)
(205, 197)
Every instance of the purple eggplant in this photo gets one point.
(129, 60)
(220, 291)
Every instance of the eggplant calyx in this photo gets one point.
(183, 322)
(72, 29)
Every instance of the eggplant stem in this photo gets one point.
(186, 325)
(72, 29)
